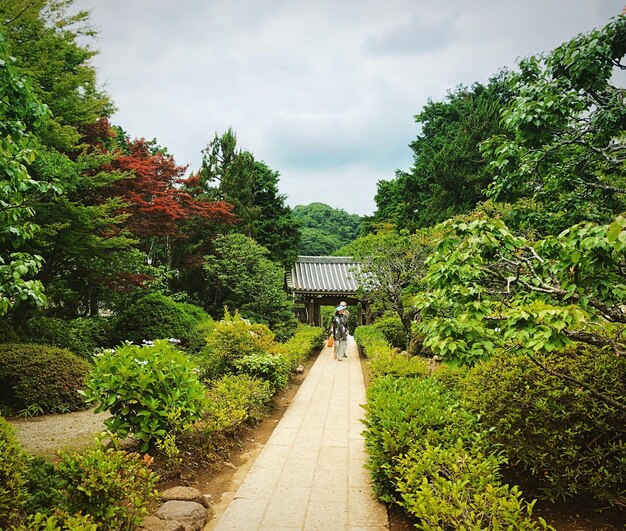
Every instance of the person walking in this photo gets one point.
(339, 331)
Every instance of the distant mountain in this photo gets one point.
(325, 229)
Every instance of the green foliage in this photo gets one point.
(199, 335)
(393, 330)
(156, 316)
(112, 486)
(270, 367)
(298, 348)
(562, 147)
(12, 474)
(372, 341)
(37, 375)
(233, 400)
(60, 521)
(231, 339)
(449, 174)
(151, 391)
(82, 336)
(456, 488)
(325, 229)
(244, 278)
(566, 438)
(44, 486)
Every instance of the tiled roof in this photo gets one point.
(323, 274)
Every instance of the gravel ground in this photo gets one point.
(46, 435)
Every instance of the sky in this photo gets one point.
(323, 91)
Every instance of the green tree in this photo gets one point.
(20, 113)
(243, 277)
(562, 151)
(233, 175)
(325, 229)
(449, 174)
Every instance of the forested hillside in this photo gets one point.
(325, 229)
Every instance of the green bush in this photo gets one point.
(199, 335)
(393, 330)
(455, 487)
(45, 379)
(44, 487)
(401, 411)
(270, 367)
(232, 338)
(59, 521)
(151, 391)
(449, 376)
(371, 341)
(82, 336)
(567, 439)
(156, 316)
(298, 348)
(12, 475)
(233, 400)
(112, 486)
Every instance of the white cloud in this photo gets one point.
(322, 91)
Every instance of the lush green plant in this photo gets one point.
(271, 367)
(298, 348)
(156, 316)
(150, 391)
(112, 486)
(46, 379)
(453, 487)
(398, 364)
(12, 474)
(371, 341)
(199, 335)
(403, 412)
(232, 338)
(44, 486)
(393, 330)
(82, 336)
(562, 435)
(59, 521)
(233, 400)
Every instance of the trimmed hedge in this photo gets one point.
(44, 379)
(156, 316)
(393, 330)
(568, 440)
(298, 348)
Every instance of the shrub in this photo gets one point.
(401, 411)
(393, 330)
(156, 316)
(449, 376)
(112, 486)
(568, 440)
(270, 367)
(371, 341)
(232, 338)
(398, 364)
(458, 488)
(82, 336)
(233, 400)
(199, 335)
(298, 348)
(12, 474)
(60, 521)
(149, 390)
(44, 487)
(45, 379)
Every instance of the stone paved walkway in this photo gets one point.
(310, 474)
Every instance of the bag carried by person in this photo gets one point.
(331, 341)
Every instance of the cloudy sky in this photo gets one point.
(323, 91)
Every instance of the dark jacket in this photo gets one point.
(339, 327)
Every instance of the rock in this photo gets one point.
(229, 465)
(191, 514)
(152, 523)
(184, 494)
(300, 369)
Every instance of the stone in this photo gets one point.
(300, 369)
(153, 523)
(191, 514)
(184, 494)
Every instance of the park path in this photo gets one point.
(310, 474)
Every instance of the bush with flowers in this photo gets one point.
(151, 390)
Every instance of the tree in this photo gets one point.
(20, 113)
(244, 278)
(234, 175)
(449, 174)
(562, 152)
(325, 229)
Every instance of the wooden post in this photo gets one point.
(368, 314)
(360, 314)
(312, 312)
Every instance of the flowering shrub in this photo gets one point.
(150, 391)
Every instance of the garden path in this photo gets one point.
(310, 474)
